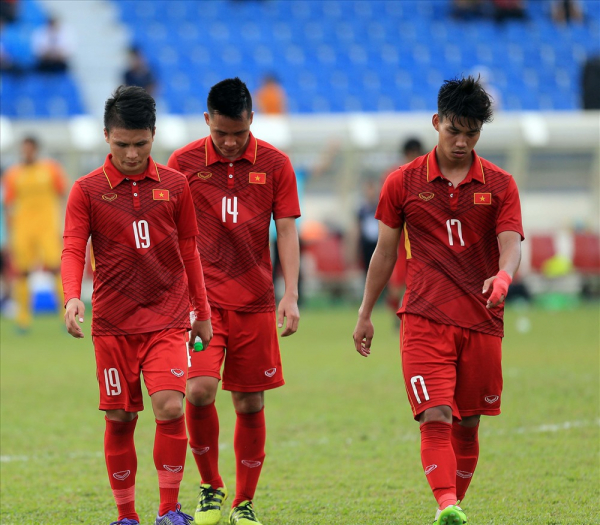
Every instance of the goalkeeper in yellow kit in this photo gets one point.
(33, 192)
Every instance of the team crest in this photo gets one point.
(427, 195)
(204, 175)
(109, 197)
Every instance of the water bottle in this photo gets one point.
(198, 346)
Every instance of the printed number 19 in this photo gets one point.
(449, 224)
(141, 233)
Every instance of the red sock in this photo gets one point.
(466, 449)
(121, 464)
(170, 446)
(439, 461)
(249, 445)
(203, 428)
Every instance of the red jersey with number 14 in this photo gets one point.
(451, 238)
(140, 284)
(234, 202)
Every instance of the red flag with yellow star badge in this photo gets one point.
(482, 198)
(258, 178)
(160, 195)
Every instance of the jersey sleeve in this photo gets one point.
(8, 187)
(286, 203)
(389, 209)
(187, 226)
(509, 216)
(59, 178)
(72, 266)
(77, 216)
(193, 269)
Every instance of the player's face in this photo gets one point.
(28, 152)
(130, 149)
(456, 138)
(230, 136)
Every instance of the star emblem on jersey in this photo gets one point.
(482, 198)
(109, 197)
(426, 195)
(160, 195)
(204, 175)
(258, 178)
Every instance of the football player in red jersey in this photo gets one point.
(462, 220)
(238, 182)
(147, 271)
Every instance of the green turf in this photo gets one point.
(342, 446)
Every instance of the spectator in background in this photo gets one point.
(565, 11)
(139, 73)
(468, 9)
(33, 193)
(590, 83)
(8, 10)
(509, 9)
(271, 98)
(7, 62)
(52, 47)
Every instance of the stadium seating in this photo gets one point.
(357, 55)
(28, 94)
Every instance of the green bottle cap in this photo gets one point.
(198, 347)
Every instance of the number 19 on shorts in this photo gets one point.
(112, 382)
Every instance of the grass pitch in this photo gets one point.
(342, 448)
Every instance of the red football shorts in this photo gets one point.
(161, 356)
(453, 366)
(247, 345)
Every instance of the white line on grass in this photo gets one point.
(541, 429)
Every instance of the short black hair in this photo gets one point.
(465, 100)
(412, 144)
(130, 107)
(31, 140)
(229, 98)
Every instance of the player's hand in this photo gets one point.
(363, 335)
(203, 330)
(288, 310)
(499, 284)
(74, 312)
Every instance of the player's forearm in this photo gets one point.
(289, 253)
(510, 252)
(379, 273)
(195, 275)
(72, 266)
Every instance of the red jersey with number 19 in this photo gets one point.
(234, 202)
(140, 284)
(451, 238)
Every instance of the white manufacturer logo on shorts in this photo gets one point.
(200, 451)
(171, 468)
(251, 464)
(123, 474)
(464, 474)
(491, 399)
(430, 469)
(177, 372)
(270, 372)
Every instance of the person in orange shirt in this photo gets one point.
(33, 194)
(270, 97)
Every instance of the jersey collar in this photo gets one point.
(212, 156)
(475, 171)
(115, 177)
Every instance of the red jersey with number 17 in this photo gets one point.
(451, 238)
(234, 201)
(140, 284)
